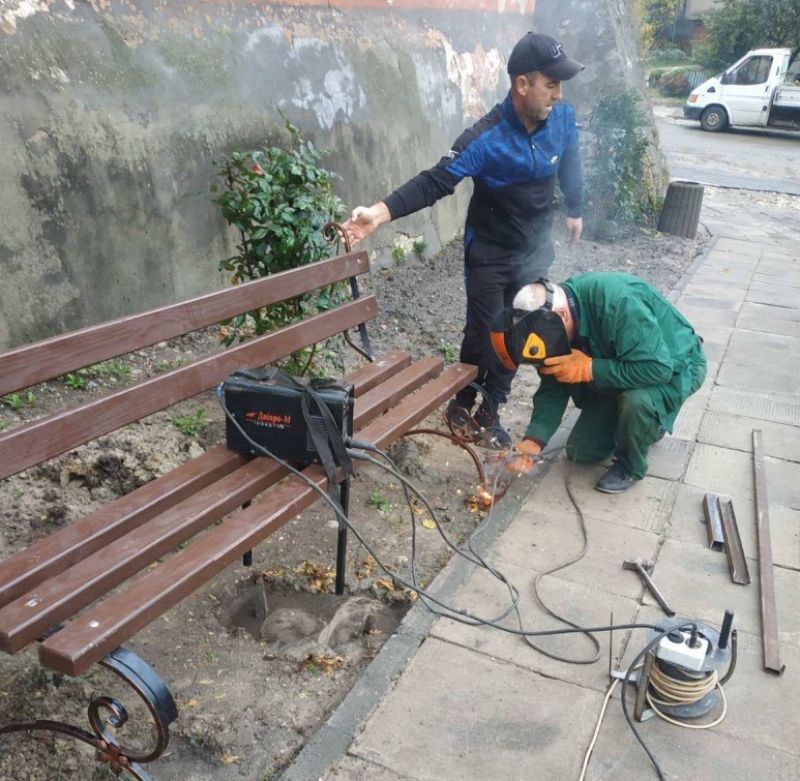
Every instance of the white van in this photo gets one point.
(760, 90)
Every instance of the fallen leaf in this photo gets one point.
(429, 523)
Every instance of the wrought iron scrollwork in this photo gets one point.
(107, 715)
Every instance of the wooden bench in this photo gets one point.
(84, 590)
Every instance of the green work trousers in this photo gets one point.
(626, 423)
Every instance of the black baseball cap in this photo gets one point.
(539, 52)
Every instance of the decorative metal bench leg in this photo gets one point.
(341, 541)
(149, 686)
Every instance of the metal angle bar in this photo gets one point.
(716, 538)
(737, 564)
(769, 619)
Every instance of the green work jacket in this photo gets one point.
(637, 339)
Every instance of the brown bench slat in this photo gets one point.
(79, 539)
(399, 386)
(372, 374)
(113, 621)
(29, 616)
(49, 358)
(27, 445)
(62, 548)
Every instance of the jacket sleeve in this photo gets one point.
(549, 403)
(464, 159)
(570, 172)
(642, 357)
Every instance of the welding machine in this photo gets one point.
(269, 407)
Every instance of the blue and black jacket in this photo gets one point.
(514, 174)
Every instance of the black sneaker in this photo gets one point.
(616, 479)
(493, 433)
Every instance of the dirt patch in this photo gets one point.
(261, 656)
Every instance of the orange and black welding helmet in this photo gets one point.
(519, 336)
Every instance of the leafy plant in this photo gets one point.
(2, 424)
(115, 370)
(379, 501)
(278, 199)
(420, 246)
(399, 253)
(622, 185)
(191, 425)
(448, 351)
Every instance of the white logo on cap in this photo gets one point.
(557, 51)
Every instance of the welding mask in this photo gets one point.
(519, 336)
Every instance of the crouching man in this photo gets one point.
(620, 350)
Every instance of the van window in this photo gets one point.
(753, 71)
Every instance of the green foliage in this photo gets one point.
(107, 373)
(449, 352)
(191, 425)
(2, 424)
(734, 27)
(378, 500)
(16, 401)
(672, 83)
(398, 253)
(668, 56)
(621, 185)
(278, 199)
(659, 19)
(420, 246)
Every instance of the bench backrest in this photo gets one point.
(26, 445)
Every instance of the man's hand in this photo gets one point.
(364, 220)
(575, 367)
(525, 457)
(574, 228)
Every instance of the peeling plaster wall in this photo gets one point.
(112, 113)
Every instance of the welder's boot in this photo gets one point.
(494, 435)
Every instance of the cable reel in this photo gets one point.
(681, 677)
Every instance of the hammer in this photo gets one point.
(644, 568)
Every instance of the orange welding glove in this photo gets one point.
(575, 367)
(524, 457)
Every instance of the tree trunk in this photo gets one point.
(681, 211)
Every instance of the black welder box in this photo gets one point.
(270, 413)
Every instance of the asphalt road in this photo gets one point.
(742, 158)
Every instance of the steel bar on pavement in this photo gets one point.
(737, 564)
(769, 619)
(716, 538)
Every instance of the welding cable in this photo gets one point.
(597, 726)
(672, 691)
(455, 614)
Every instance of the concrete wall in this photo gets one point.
(112, 113)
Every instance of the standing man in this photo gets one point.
(513, 155)
(620, 350)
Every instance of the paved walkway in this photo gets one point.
(447, 702)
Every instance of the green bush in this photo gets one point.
(669, 55)
(279, 199)
(674, 84)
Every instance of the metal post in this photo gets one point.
(341, 541)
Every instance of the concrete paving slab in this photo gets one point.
(778, 407)
(539, 541)
(786, 281)
(738, 247)
(354, 769)
(716, 272)
(771, 380)
(726, 471)
(583, 605)
(684, 755)
(716, 290)
(646, 506)
(700, 301)
(769, 312)
(669, 458)
(715, 334)
(456, 714)
(787, 297)
(699, 315)
(687, 524)
(774, 325)
(687, 424)
(763, 349)
(697, 584)
(736, 432)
